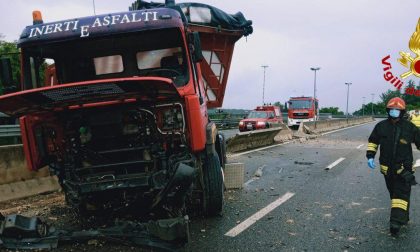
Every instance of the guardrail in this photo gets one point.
(328, 125)
(226, 123)
(10, 130)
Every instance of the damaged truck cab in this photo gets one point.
(116, 106)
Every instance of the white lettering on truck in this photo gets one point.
(98, 22)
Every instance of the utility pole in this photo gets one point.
(315, 69)
(363, 106)
(348, 91)
(372, 101)
(264, 67)
(94, 8)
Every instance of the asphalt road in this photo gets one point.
(344, 208)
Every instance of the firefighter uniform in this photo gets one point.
(394, 138)
(415, 119)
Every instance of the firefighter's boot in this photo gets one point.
(394, 228)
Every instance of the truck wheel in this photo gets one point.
(213, 186)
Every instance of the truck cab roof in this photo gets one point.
(101, 25)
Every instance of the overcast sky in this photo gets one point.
(347, 39)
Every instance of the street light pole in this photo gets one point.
(363, 106)
(264, 67)
(94, 7)
(372, 102)
(315, 69)
(348, 90)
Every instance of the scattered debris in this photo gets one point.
(258, 173)
(19, 232)
(303, 163)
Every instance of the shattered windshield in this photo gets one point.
(300, 104)
(157, 53)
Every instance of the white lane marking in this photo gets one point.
(336, 162)
(257, 175)
(329, 132)
(360, 146)
(417, 164)
(258, 215)
(250, 181)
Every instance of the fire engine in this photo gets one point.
(302, 109)
(263, 117)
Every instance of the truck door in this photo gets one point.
(217, 46)
(33, 142)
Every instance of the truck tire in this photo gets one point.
(213, 186)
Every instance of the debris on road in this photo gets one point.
(20, 232)
(259, 172)
(303, 163)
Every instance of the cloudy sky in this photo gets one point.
(346, 38)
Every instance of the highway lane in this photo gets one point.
(344, 208)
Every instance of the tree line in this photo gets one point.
(379, 108)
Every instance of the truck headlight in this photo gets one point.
(241, 123)
(260, 123)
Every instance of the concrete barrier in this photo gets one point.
(252, 139)
(284, 135)
(16, 181)
(13, 165)
(323, 126)
(28, 188)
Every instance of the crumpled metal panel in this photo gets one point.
(30, 233)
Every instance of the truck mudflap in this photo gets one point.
(252, 139)
(30, 233)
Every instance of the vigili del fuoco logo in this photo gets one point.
(411, 63)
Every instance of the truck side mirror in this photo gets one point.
(196, 47)
(6, 76)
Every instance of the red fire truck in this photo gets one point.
(263, 117)
(302, 109)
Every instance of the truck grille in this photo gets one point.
(300, 114)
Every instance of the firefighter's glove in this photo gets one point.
(371, 163)
(408, 177)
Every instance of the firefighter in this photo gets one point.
(415, 118)
(394, 136)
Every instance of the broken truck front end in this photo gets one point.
(116, 106)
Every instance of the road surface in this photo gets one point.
(295, 205)
(298, 205)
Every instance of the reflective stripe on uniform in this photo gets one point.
(399, 203)
(372, 147)
(415, 120)
(384, 169)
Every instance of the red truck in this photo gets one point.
(302, 109)
(121, 114)
(263, 117)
